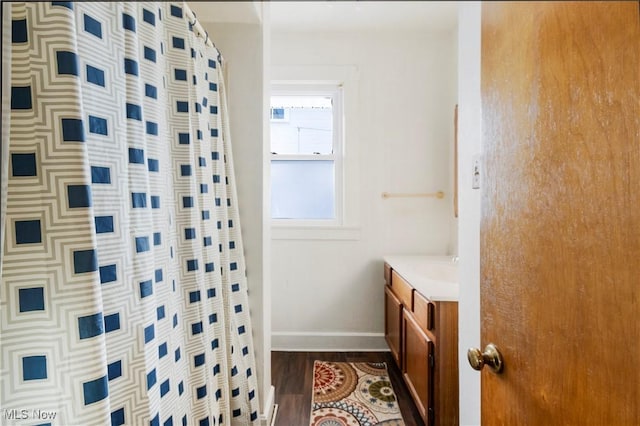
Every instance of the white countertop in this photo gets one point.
(435, 277)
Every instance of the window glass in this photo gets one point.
(308, 127)
(302, 189)
(305, 154)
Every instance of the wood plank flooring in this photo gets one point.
(292, 376)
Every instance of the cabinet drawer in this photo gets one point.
(402, 289)
(387, 273)
(423, 311)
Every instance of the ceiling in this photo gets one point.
(331, 15)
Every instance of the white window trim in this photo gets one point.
(335, 91)
(347, 227)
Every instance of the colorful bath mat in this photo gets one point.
(353, 394)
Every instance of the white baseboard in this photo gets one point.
(267, 418)
(327, 341)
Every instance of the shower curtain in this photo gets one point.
(123, 292)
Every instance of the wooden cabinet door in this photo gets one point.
(393, 324)
(560, 222)
(417, 353)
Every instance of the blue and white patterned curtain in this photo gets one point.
(123, 293)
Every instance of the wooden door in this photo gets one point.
(560, 222)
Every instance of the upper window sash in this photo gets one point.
(332, 90)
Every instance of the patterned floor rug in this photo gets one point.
(353, 394)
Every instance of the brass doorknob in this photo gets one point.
(491, 357)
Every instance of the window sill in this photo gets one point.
(288, 232)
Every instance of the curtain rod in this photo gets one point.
(199, 30)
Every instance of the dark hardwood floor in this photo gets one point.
(292, 376)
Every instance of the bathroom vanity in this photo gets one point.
(421, 329)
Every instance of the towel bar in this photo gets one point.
(439, 194)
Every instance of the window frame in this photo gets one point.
(318, 88)
(347, 75)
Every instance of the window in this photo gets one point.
(279, 114)
(306, 154)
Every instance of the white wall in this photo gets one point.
(469, 144)
(328, 294)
